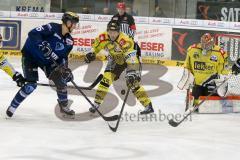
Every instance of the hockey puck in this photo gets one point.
(123, 91)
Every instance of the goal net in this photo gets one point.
(230, 44)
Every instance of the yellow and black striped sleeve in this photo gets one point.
(6, 66)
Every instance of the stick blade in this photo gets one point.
(99, 78)
(173, 123)
(112, 118)
(114, 129)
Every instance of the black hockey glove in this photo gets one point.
(47, 51)
(132, 78)
(61, 75)
(67, 75)
(236, 67)
(90, 57)
(19, 79)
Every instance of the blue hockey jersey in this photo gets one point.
(52, 33)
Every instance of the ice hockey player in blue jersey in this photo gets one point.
(47, 47)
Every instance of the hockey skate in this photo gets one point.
(10, 111)
(64, 108)
(94, 108)
(147, 110)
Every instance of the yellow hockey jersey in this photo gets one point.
(6, 66)
(203, 66)
(121, 50)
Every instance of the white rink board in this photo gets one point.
(154, 35)
(155, 41)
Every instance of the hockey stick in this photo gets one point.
(111, 118)
(99, 78)
(190, 111)
(187, 99)
(114, 129)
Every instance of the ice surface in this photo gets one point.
(35, 132)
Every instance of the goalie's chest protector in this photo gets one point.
(204, 66)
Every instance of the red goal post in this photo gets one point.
(216, 104)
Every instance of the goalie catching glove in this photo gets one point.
(132, 78)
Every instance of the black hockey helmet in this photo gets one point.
(113, 26)
(70, 16)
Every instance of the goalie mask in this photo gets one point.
(207, 42)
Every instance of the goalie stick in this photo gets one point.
(99, 78)
(114, 129)
(191, 110)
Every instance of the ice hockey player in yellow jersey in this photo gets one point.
(206, 61)
(7, 67)
(122, 55)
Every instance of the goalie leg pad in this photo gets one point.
(186, 80)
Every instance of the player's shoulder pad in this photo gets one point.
(125, 36)
(220, 50)
(52, 26)
(124, 39)
(69, 39)
(103, 37)
(194, 46)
